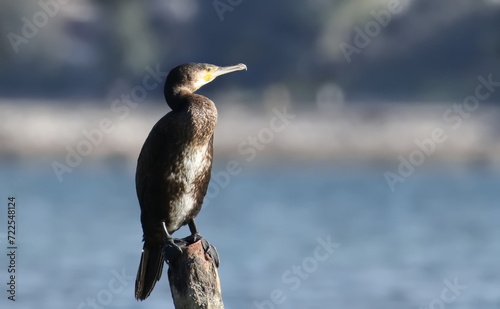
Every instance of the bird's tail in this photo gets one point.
(149, 271)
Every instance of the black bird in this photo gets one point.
(174, 166)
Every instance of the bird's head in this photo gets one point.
(191, 76)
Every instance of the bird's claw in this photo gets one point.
(191, 239)
(172, 248)
(211, 251)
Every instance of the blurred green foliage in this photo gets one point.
(430, 51)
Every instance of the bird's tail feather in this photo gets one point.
(149, 271)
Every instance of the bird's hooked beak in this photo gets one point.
(233, 68)
(212, 71)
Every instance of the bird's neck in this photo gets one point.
(200, 108)
(182, 97)
(177, 96)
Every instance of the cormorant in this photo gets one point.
(174, 166)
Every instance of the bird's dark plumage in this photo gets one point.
(174, 166)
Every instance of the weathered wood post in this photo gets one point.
(194, 280)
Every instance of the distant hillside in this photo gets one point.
(428, 51)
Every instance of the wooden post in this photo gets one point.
(194, 281)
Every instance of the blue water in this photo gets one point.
(80, 240)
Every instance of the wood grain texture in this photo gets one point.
(194, 280)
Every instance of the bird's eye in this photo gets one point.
(209, 70)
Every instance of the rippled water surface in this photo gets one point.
(290, 235)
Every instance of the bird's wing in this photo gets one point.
(161, 147)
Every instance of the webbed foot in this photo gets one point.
(211, 251)
(172, 248)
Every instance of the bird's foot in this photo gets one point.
(211, 251)
(208, 247)
(191, 239)
(172, 248)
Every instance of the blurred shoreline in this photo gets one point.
(355, 131)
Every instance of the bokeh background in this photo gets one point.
(372, 125)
